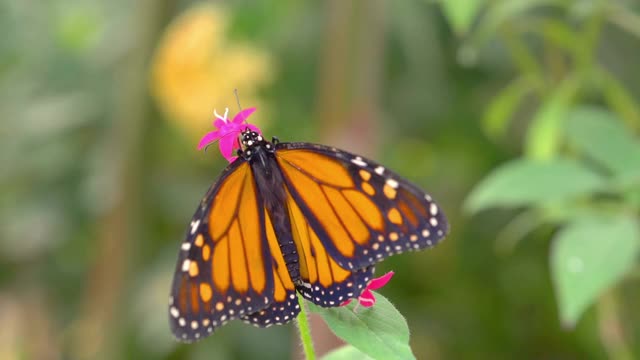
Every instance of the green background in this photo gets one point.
(98, 183)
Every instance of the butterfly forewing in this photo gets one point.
(224, 266)
(359, 211)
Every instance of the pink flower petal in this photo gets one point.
(208, 139)
(227, 133)
(219, 123)
(367, 299)
(243, 115)
(377, 283)
(227, 144)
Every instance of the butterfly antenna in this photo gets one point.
(213, 143)
(223, 118)
(235, 92)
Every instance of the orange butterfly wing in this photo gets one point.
(341, 212)
(226, 268)
(349, 213)
(284, 306)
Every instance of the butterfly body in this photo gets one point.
(292, 217)
(260, 154)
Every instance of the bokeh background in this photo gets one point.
(103, 102)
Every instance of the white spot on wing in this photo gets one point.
(433, 209)
(186, 246)
(185, 265)
(394, 184)
(358, 161)
(174, 312)
(379, 170)
(194, 226)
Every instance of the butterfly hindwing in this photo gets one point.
(224, 269)
(323, 280)
(359, 211)
(336, 293)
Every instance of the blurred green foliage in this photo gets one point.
(526, 108)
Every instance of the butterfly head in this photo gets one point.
(251, 142)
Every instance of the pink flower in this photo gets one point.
(228, 132)
(367, 299)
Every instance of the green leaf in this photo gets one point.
(505, 104)
(559, 214)
(544, 134)
(460, 13)
(380, 331)
(346, 352)
(600, 135)
(587, 257)
(529, 182)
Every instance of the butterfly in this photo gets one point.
(286, 218)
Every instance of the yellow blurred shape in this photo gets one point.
(196, 68)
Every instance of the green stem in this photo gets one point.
(305, 331)
(521, 55)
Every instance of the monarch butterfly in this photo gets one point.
(292, 217)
